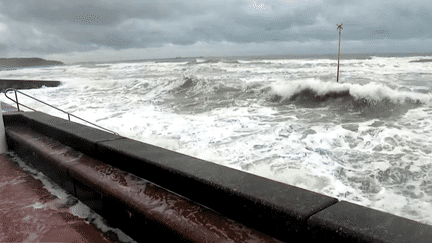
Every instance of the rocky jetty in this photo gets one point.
(422, 60)
(26, 62)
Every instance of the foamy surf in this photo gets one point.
(373, 91)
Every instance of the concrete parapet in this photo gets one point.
(274, 208)
(348, 222)
(138, 207)
(123, 177)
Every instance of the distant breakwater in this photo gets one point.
(26, 84)
(26, 62)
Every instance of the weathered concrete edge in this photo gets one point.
(128, 201)
(319, 224)
(348, 222)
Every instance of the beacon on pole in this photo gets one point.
(339, 27)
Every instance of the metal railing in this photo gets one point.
(69, 114)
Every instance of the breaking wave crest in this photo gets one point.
(195, 85)
(368, 100)
(373, 100)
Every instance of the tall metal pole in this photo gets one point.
(340, 27)
(3, 144)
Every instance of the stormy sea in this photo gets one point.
(366, 139)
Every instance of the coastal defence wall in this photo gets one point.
(26, 84)
(144, 190)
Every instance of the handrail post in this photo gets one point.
(16, 98)
(68, 116)
(3, 143)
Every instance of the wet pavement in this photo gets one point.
(30, 213)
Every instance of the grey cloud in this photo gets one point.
(66, 26)
(106, 12)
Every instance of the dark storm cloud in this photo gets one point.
(82, 12)
(59, 26)
(117, 24)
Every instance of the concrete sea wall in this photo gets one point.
(26, 84)
(146, 190)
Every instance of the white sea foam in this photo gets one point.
(375, 157)
(371, 91)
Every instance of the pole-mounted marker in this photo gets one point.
(339, 27)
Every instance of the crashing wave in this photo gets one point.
(370, 100)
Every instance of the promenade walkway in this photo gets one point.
(28, 211)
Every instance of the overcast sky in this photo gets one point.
(96, 30)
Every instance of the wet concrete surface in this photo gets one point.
(30, 213)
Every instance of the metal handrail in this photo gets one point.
(69, 114)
